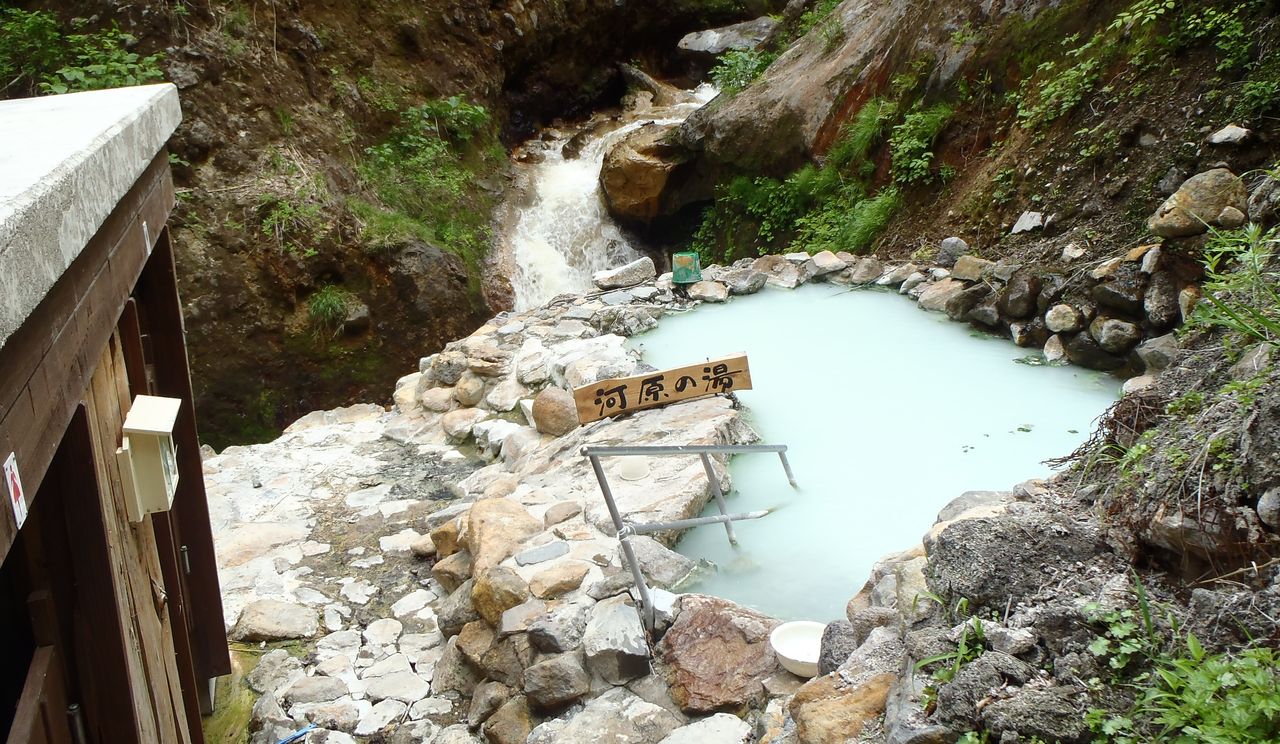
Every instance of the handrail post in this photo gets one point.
(791, 478)
(647, 615)
(718, 495)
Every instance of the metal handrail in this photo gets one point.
(625, 529)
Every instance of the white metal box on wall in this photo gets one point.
(148, 463)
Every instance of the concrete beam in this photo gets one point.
(64, 163)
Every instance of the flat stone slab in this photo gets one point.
(542, 553)
(273, 620)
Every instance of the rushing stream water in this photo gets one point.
(888, 412)
(565, 235)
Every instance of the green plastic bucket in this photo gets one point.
(685, 268)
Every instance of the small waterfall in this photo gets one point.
(565, 234)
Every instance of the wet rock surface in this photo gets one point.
(465, 571)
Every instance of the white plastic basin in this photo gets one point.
(797, 644)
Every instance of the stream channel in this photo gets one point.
(888, 412)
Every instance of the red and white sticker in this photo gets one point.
(13, 484)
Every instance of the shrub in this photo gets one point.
(1224, 29)
(912, 143)
(425, 176)
(739, 68)
(1060, 87)
(102, 60)
(35, 56)
(1240, 292)
(31, 46)
(451, 118)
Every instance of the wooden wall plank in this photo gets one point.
(162, 309)
(55, 350)
(105, 442)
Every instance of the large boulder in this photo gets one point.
(717, 655)
(619, 716)
(705, 47)
(1000, 559)
(635, 173)
(614, 642)
(496, 528)
(636, 272)
(1200, 203)
(554, 412)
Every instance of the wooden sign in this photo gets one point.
(621, 395)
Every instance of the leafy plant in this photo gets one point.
(31, 46)
(427, 180)
(1186, 404)
(1003, 187)
(1240, 292)
(36, 56)
(1224, 29)
(1058, 88)
(1258, 98)
(814, 15)
(1141, 13)
(912, 143)
(452, 118)
(1195, 696)
(102, 60)
(739, 68)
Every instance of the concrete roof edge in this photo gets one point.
(70, 188)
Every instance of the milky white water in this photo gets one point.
(566, 234)
(889, 412)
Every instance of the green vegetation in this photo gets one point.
(327, 308)
(37, 56)
(382, 95)
(1187, 404)
(820, 12)
(295, 218)
(1057, 86)
(425, 179)
(1061, 87)
(912, 143)
(814, 209)
(738, 68)
(1182, 693)
(1224, 29)
(1241, 283)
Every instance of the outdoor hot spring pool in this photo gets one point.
(888, 412)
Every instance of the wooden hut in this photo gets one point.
(111, 614)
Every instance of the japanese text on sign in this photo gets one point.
(612, 397)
